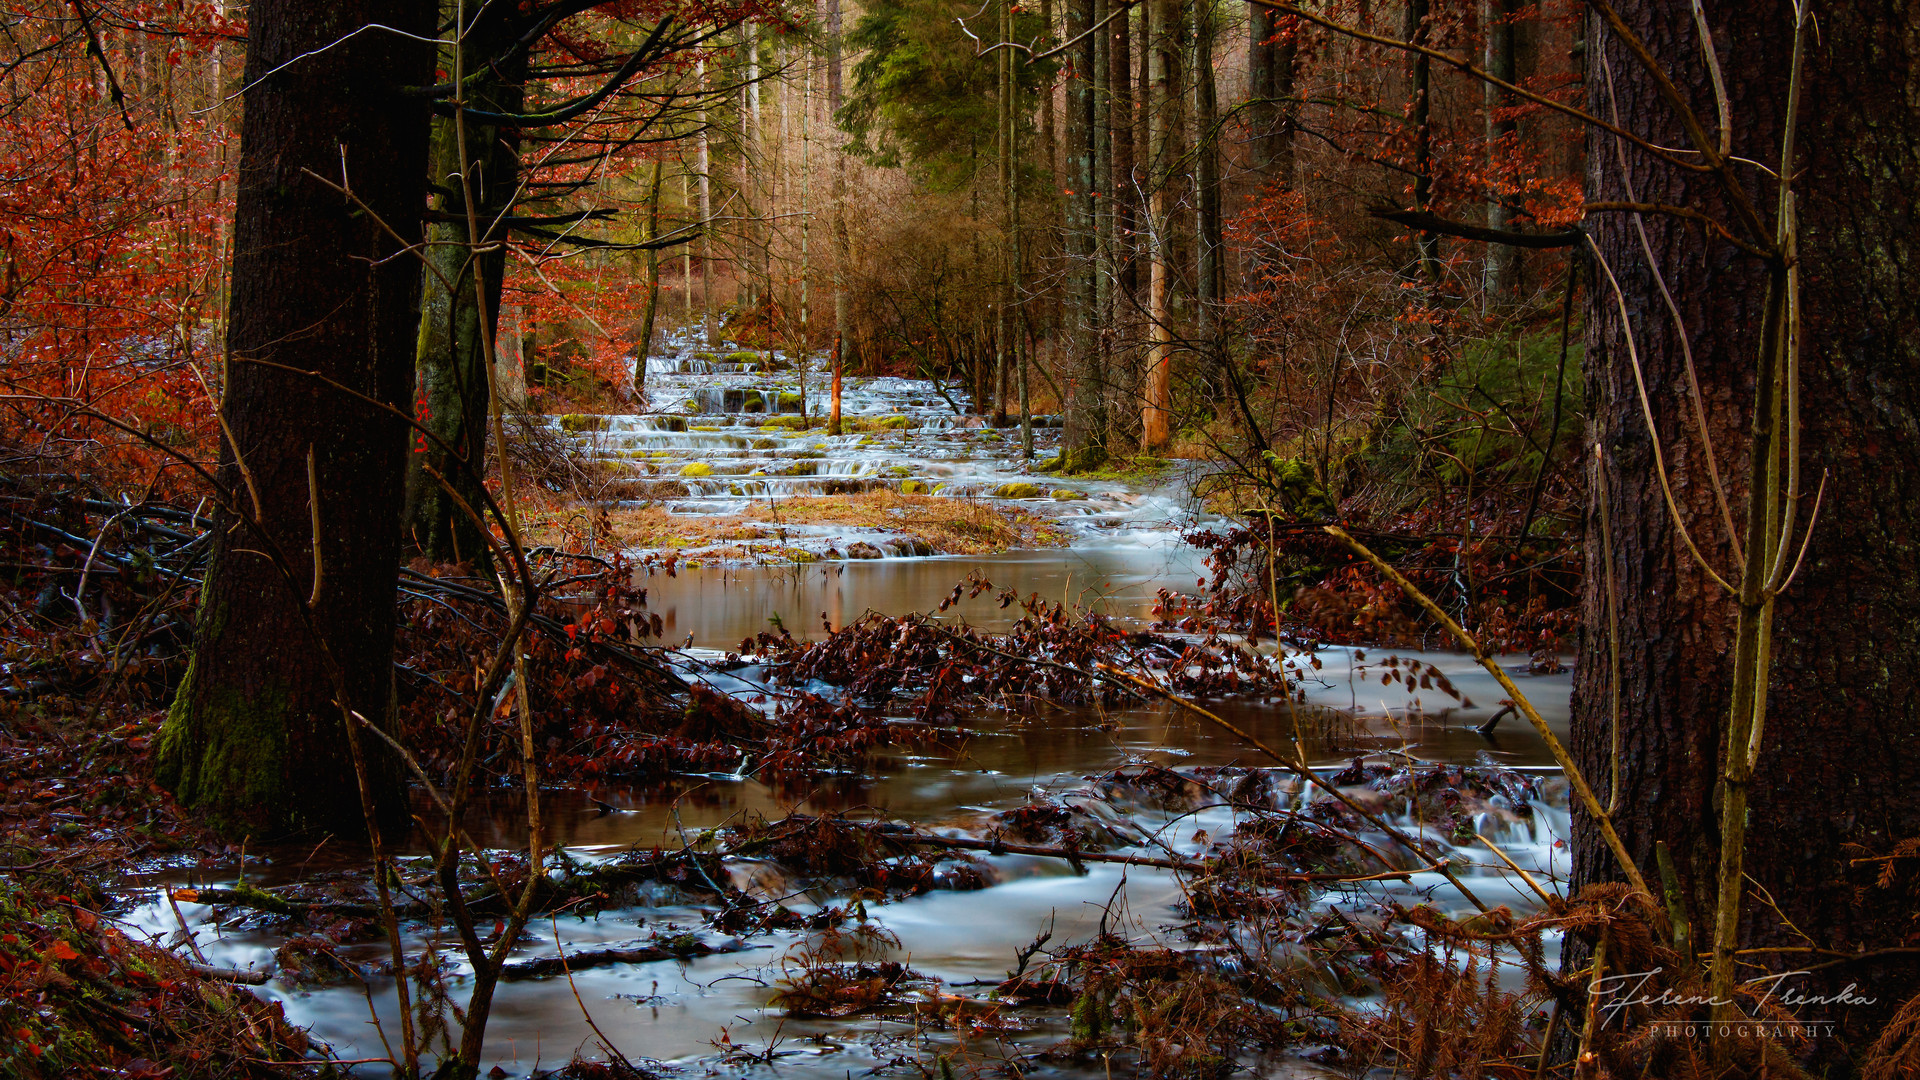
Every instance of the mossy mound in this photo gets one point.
(696, 468)
(1067, 495)
(912, 487)
(584, 422)
(1083, 460)
(1017, 491)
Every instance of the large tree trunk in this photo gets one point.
(256, 743)
(1834, 780)
(453, 358)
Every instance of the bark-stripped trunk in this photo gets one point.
(1835, 775)
(255, 742)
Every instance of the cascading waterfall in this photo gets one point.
(723, 426)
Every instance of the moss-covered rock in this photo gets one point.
(1084, 459)
(1067, 495)
(1017, 491)
(696, 468)
(584, 422)
(913, 487)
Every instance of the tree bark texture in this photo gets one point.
(256, 742)
(1086, 414)
(1835, 779)
(451, 376)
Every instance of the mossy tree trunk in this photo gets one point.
(451, 378)
(256, 742)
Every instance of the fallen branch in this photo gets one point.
(645, 954)
(232, 975)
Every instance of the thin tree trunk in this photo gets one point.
(653, 282)
(706, 219)
(1157, 412)
(452, 360)
(1499, 17)
(1085, 406)
(842, 244)
(1419, 120)
(1125, 197)
(1211, 279)
(1004, 141)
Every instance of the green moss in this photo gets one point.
(898, 471)
(1300, 492)
(1017, 491)
(1067, 495)
(894, 423)
(696, 468)
(583, 422)
(912, 487)
(744, 356)
(1085, 459)
(222, 753)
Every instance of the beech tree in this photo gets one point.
(296, 620)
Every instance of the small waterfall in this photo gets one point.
(723, 426)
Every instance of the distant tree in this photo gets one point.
(922, 100)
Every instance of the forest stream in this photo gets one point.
(961, 938)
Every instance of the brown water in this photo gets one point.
(688, 1013)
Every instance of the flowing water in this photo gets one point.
(700, 1013)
